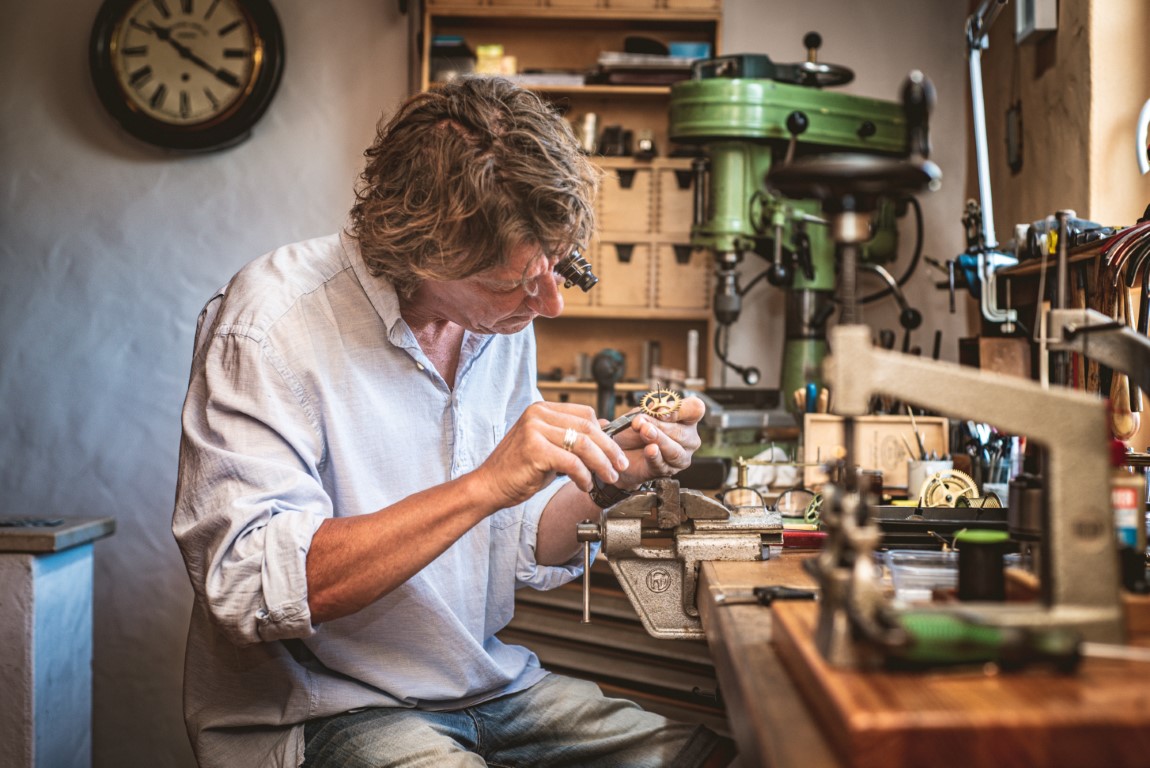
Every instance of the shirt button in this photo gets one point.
(420, 366)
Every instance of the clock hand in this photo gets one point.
(186, 53)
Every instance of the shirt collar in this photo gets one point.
(380, 292)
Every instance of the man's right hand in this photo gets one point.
(550, 439)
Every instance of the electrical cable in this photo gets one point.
(750, 374)
(914, 259)
(787, 253)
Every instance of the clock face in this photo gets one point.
(185, 62)
(187, 74)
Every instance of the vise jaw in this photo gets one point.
(654, 541)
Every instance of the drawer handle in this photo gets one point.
(626, 177)
(623, 252)
(682, 253)
(683, 177)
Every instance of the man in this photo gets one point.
(367, 471)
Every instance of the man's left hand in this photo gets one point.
(660, 447)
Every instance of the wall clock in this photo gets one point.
(187, 74)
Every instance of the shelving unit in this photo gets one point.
(653, 286)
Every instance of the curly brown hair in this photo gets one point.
(464, 174)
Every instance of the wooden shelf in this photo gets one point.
(605, 91)
(661, 18)
(590, 386)
(636, 313)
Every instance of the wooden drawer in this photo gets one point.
(625, 200)
(674, 209)
(625, 274)
(682, 277)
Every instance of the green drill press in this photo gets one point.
(746, 113)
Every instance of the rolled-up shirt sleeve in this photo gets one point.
(528, 571)
(250, 497)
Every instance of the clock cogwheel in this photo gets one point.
(989, 501)
(945, 488)
(660, 402)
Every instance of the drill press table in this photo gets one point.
(788, 708)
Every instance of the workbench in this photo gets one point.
(787, 707)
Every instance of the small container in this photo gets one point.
(489, 59)
(686, 50)
(916, 575)
(871, 483)
(918, 471)
(981, 573)
(1128, 500)
(588, 133)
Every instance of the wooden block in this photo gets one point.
(1001, 355)
(1097, 716)
(1136, 609)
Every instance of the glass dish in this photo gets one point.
(916, 574)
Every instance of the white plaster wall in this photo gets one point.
(108, 248)
(882, 41)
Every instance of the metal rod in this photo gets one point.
(1062, 275)
(978, 114)
(848, 285)
(586, 583)
(983, 18)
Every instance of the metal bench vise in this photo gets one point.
(654, 541)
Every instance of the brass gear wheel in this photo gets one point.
(989, 501)
(660, 403)
(945, 488)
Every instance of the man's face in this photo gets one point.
(504, 299)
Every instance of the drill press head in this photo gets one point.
(746, 115)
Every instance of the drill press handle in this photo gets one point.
(918, 99)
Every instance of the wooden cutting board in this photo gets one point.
(1099, 716)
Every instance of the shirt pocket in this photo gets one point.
(504, 518)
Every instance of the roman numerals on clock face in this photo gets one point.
(185, 61)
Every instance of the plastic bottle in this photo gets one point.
(1128, 500)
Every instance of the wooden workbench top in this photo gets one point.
(51, 534)
(789, 708)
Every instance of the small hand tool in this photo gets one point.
(659, 403)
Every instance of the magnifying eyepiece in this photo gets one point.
(576, 270)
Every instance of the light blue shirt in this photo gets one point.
(310, 398)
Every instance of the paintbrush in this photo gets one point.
(909, 449)
(917, 434)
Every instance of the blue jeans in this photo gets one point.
(560, 721)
